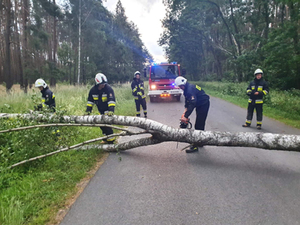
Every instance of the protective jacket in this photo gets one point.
(194, 97)
(137, 86)
(104, 99)
(259, 86)
(48, 98)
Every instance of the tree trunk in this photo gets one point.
(18, 47)
(25, 43)
(162, 133)
(7, 66)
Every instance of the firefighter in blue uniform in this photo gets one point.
(48, 98)
(102, 95)
(257, 89)
(195, 97)
(137, 86)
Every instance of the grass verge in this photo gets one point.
(34, 192)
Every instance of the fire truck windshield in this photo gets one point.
(164, 71)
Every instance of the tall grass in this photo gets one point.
(33, 192)
(283, 106)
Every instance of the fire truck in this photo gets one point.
(161, 81)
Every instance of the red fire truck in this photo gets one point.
(161, 81)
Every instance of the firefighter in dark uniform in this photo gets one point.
(195, 97)
(137, 86)
(102, 95)
(257, 89)
(48, 98)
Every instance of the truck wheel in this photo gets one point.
(152, 99)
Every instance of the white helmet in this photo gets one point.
(40, 83)
(137, 73)
(180, 81)
(100, 78)
(257, 71)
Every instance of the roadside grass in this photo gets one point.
(34, 192)
(283, 106)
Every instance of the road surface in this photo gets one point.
(162, 185)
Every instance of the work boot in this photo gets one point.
(145, 116)
(192, 149)
(246, 125)
(258, 127)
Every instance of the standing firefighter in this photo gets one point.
(256, 90)
(195, 97)
(103, 96)
(48, 98)
(137, 86)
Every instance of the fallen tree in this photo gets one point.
(162, 133)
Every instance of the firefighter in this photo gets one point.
(195, 97)
(102, 95)
(137, 86)
(48, 98)
(257, 89)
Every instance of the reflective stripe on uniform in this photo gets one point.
(111, 103)
(104, 97)
(259, 88)
(259, 101)
(111, 139)
(250, 100)
(265, 92)
(90, 104)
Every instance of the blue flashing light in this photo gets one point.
(173, 62)
(173, 84)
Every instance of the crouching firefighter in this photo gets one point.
(137, 86)
(257, 89)
(48, 98)
(195, 97)
(102, 95)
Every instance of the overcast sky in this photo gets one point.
(147, 16)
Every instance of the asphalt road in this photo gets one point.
(163, 185)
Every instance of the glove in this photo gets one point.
(109, 113)
(184, 120)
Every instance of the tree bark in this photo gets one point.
(161, 133)
(7, 66)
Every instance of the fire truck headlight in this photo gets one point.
(153, 87)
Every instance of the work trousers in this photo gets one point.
(259, 112)
(138, 103)
(107, 131)
(201, 115)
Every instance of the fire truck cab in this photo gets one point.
(161, 81)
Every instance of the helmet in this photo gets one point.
(180, 81)
(100, 78)
(258, 71)
(40, 83)
(137, 73)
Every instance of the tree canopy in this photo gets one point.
(228, 40)
(41, 39)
